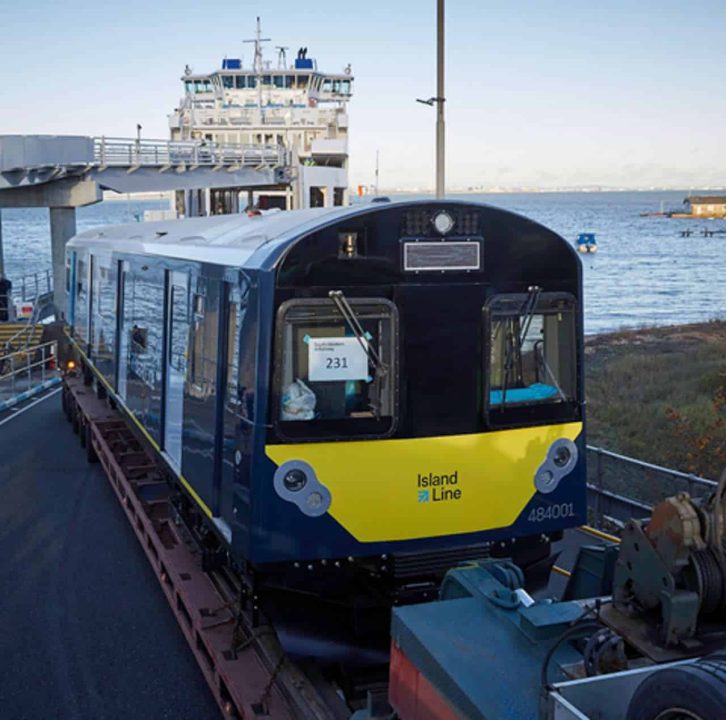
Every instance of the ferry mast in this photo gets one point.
(258, 40)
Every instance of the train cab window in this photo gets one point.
(531, 358)
(336, 368)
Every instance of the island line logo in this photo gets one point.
(438, 488)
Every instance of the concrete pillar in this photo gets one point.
(62, 229)
(2, 256)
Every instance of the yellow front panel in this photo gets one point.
(379, 489)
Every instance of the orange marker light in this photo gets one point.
(71, 364)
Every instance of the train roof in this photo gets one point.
(229, 240)
(232, 240)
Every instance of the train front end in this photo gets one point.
(425, 405)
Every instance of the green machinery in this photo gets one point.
(639, 635)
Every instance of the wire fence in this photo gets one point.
(621, 487)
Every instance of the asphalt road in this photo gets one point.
(85, 630)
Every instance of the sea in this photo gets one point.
(645, 272)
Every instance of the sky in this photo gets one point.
(539, 94)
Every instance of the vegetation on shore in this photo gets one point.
(659, 394)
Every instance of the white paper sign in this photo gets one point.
(339, 358)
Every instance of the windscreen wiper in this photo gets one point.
(539, 354)
(341, 302)
(530, 305)
(527, 311)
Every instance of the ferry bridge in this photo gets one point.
(63, 173)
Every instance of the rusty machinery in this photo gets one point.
(669, 584)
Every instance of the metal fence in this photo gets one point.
(33, 286)
(621, 487)
(183, 153)
(23, 370)
(36, 288)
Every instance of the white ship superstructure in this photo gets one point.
(293, 104)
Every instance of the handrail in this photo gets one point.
(689, 477)
(47, 350)
(31, 286)
(126, 152)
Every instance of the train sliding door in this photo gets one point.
(199, 451)
(233, 410)
(176, 363)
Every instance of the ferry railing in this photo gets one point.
(622, 487)
(24, 370)
(125, 152)
(33, 286)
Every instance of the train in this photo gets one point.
(350, 401)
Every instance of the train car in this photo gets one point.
(350, 400)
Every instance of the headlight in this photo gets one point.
(560, 461)
(314, 501)
(295, 480)
(561, 456)
(443, 222)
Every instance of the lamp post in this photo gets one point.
(440, 125)
(439, 101)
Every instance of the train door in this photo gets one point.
(199, 452)
(232, 410)
(176, 363)
(122, 340)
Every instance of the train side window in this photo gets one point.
(80, 321)
(531, 357)
(331, 381)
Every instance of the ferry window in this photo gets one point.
(251, 81)
(289, 81)
(336, 86)
(531, 343)
(266, 80)
(240, 82)
(345, 87)
(227, 82)
(331, 380)
(302, 81)
(327, 85)
(278, 81)
(189, 86)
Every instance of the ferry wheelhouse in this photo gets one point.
(294, 104)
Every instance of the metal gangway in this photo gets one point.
(116, 163)
(183, 154)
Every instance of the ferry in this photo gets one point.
(294, 104)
